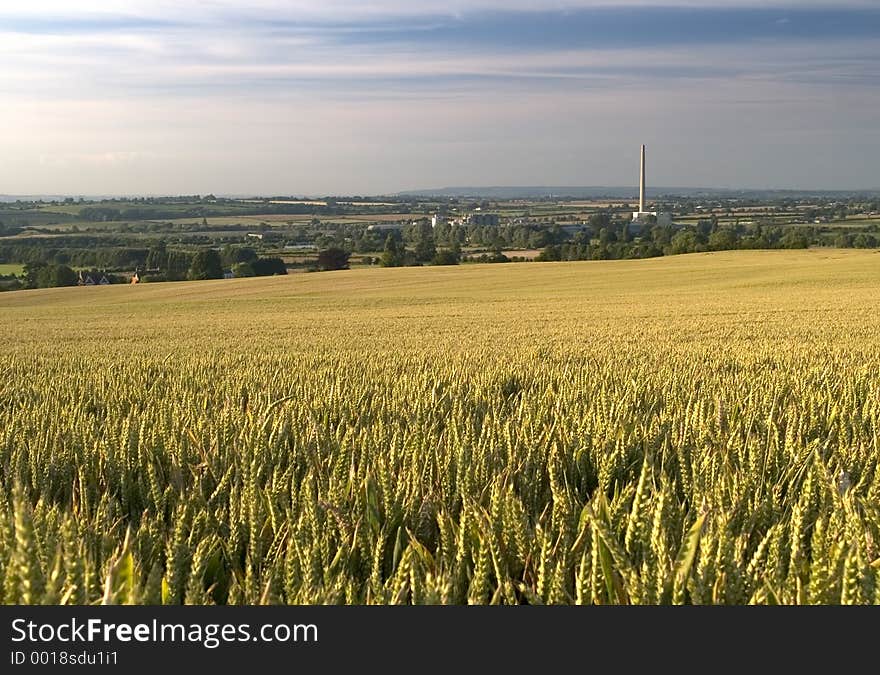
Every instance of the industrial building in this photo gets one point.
(643, 217)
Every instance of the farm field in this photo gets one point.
(213, 221)
(11, 268)
(689, 429)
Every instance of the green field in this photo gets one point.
(11, 268)
(690, 429)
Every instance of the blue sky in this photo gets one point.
(357, 97)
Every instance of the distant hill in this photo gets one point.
(56, 198)
(31, 198)
(629, 193)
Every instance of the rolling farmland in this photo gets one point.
(689, 429)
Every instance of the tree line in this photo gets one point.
(51, 261)
(617, 242)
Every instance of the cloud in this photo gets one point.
(309, 97)
(359, 9)
(501, 53)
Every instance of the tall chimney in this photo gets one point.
(642, 184)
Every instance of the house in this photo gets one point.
(379, 227)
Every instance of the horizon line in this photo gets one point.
(663, 190)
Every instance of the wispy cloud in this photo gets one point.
(359, 8)
(588, 45)
(173, 94)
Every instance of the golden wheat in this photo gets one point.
(697, 429)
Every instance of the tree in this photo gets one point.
(31, 273)
(206, 264)
(266, 267)
(646, 250)
(538, 239)
(178, 264)
(65, 276)
(864, 240)
(157, 258)
(244, 254)
(243, 269)
(446, 256)
(392, 255)
(425, 247)
(333, 258)
(722, 240)
(230, 255)
(599, 220)
(607, 236)
(551, 252)
(794, 239)
(50, 276)
(456, 249)
(684, 241)
(600, 252)
(661, 235)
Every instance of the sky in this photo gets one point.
(353, 97)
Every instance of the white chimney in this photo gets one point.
(642, 184)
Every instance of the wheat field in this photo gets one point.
(689, 429)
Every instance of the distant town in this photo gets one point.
(75, 241)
